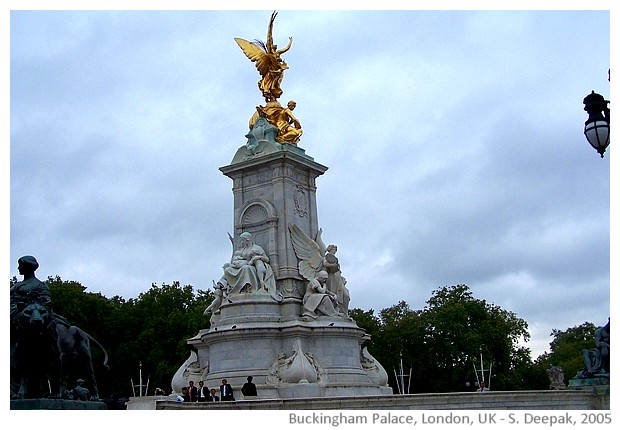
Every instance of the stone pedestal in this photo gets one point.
(264, 335)
(55, 404)
(287, 357)
(598, 382)
(271, 190)
(536, 400)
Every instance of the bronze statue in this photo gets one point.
(47, 352)
(80, 392)
(271, 67)
(597, 361)
(289, 127)
(35, 352)
(30, 290)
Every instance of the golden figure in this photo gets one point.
(271, 68)
(289, 127)
(268, 62)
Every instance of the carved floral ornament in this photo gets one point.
(301, 202)
(300, 367)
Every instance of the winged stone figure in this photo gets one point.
(309, 252)
(268, 62)
(314, 258)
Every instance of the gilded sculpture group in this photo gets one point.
(271, 67)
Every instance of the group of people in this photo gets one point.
(200, 393)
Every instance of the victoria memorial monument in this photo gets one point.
(280, 312)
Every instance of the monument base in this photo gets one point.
(287, 356)
(55, 404)
(498, 400)
(598, 383)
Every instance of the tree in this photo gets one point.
(158, 324)
(93, 313)
(566, 349)
(151, 330)
(402, 336)
(458, 328)
(442, 342)
(368, 321)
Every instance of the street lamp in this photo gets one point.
(597, 126)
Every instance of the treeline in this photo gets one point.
(151, 329)
(439, 345)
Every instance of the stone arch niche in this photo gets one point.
(270, 192)
(259, 217)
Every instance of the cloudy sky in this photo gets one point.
(454, 141)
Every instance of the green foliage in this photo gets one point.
(92, 312)
(566, 349)
(151, 330)
(442, 342)
(369, 322)
(157, 325)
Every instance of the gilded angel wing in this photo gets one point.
(257, 53)
(308, 252)
(270, 46)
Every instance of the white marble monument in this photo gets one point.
(281, 309)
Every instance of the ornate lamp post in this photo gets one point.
(597, 126)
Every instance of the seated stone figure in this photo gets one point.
(249, 270)
(318, 300)
(214, 307)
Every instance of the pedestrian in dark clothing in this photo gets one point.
(249, 388)
(226, 391)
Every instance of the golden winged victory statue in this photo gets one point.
(271, 67)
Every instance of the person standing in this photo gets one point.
(249, 388)
(203, 392)
(226, 391)
(192, 392)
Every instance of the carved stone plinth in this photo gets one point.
(55, 404)
(284, 339)
(287, 358)
(271, 190)
(597, 382)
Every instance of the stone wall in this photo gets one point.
(501, 400)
